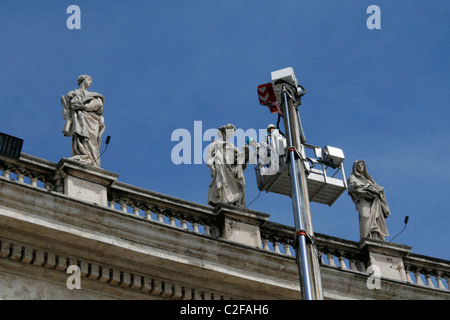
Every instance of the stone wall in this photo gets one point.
(132, 243)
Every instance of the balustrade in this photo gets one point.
(27, 177)
(346, 255)
(427, 272)
(334, 252)
(30, 170)
(147, 209)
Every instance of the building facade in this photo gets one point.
(72, 231)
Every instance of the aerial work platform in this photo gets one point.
(322, 187)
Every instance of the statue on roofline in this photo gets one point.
(227, 165)
(83, 112)
(370, 202)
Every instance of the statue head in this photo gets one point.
(360, 169)
(84, 80)
(226, 131)
(360, 166)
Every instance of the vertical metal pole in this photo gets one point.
(306, 258)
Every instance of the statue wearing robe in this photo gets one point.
(227, 165)
(370, 202)
(83, 112)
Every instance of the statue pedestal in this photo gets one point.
(241, 225)
(85, 182)
(385, 258)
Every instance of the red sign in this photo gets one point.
(267, 97)
(266, 94)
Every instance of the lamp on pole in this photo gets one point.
(288, 92)
(307, 257)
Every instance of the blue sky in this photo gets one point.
(380, 95)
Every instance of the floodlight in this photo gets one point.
(286, 75)
(10, 146)
(332, 156)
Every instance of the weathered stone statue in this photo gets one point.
(370, 202)
(83, 112)
(227, 165)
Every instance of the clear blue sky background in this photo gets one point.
(380, 95)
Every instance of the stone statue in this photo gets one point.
(370, 202)
(227, 165)
(83, 112)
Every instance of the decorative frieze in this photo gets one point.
(147, 285)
